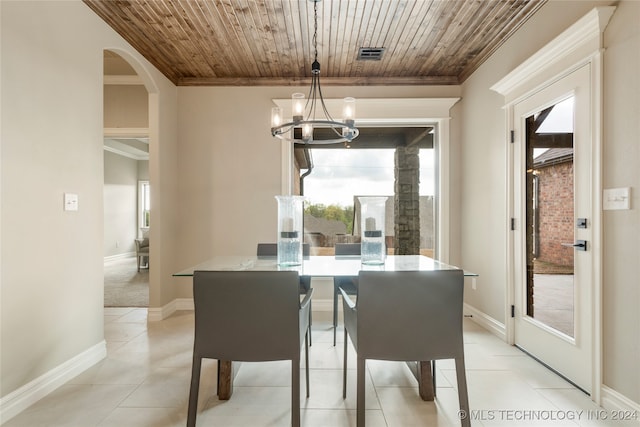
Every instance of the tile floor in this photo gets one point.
(144, 381)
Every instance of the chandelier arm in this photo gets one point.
(314, 98)
(285, 128)
(324, 107)
(282, 134)
(311, 93)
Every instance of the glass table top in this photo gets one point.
(320, 266)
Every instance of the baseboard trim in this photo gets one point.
(161, 313)
(119, 256)
(489, 323)
(19, 400)
(615, 401)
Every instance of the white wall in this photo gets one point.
(621, 231)
(51, 144)
(126, 106)
(484, 220)
(143, 170)
(52, 137)
(120, 204)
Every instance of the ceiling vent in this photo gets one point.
(370, 53)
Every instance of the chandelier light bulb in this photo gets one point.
(307, 132)
(276, 116)
(297, 105)
(349, 109)
(347, 113)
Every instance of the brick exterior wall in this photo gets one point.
(555, 204)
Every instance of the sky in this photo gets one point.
(339, 174)
(559, 120)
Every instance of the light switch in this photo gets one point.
(70, 202)
(616, 198)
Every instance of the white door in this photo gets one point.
(553, 209)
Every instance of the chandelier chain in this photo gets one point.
(315, 30)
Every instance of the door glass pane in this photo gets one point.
(550, 217)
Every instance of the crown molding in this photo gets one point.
(326, 81)
(123, 133)
(584, 34)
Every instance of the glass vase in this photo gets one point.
(290, 231)
(373, 249)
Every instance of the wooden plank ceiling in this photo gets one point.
(269, 42)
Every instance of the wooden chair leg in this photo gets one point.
(433, 376)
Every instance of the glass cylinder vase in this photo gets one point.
(290, 231)
(373, 248)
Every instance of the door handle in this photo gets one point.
(580, 245)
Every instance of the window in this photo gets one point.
(339, 175)
(144, 198)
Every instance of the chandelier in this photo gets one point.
(304, 120)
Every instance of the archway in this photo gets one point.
(130, 112)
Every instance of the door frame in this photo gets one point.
(580, 45)
(569, 356)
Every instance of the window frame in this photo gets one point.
(398, 112)
(144, 208)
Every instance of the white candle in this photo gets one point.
(287, 224)
(370, 224)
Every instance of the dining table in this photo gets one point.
(324, 266)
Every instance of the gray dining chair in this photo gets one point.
(142, 252)
(249, 316)
(348, 284)
(270, 250)
(406, 316)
